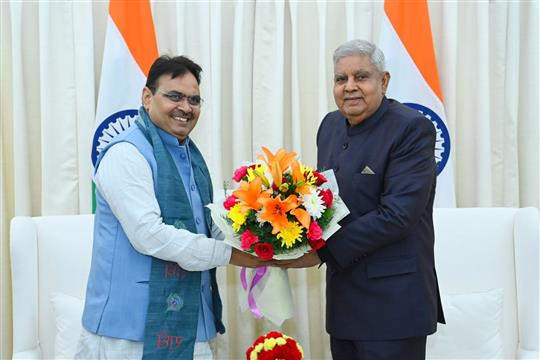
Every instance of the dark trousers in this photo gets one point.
(402, 349)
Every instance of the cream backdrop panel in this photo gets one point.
(267, 80)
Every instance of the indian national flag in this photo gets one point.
(408, 48)
(130, 49)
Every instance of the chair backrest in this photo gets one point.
(49, 254)
(479, 249)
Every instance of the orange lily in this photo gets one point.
(251, 194)
(278, 162)
(302, 216)
(275, 211)
(298, 177)
(276, 172)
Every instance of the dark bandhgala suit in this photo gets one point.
(381, 279)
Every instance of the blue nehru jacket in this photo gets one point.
(206, 329)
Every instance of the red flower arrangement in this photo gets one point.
(275, 346)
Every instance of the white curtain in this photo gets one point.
(267, 80)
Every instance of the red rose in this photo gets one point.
(247, 239)
(289, 351)
(320, 178)
(248, 351)
(240, 173)
(229, 202)
(264, 251)
(327, 197)
(314, 231)
(259, 340)
(317, 244)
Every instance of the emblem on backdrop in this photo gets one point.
(112, 126)
(442, 142)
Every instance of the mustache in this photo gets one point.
(185, 114)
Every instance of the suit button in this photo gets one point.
(345, 146)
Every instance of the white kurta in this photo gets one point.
(125, 181)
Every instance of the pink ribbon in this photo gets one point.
(259, 274)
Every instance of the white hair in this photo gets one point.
(362, 48)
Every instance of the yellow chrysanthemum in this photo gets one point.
(269, 344)
(290, 234)
(237, 216)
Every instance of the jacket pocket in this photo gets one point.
(368, 188)
(391, 268)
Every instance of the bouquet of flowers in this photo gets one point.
(274, 346)
(281, 210)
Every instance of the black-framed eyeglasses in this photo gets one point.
(177, 97)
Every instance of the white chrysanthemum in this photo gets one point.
(259, 220)
(313, 204)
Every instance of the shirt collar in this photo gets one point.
(171, 140)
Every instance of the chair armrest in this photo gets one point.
(24, 271)
(32, 354)
(526, 249)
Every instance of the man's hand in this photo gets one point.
(240, 258)
(307, 260)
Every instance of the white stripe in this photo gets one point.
(407, 75)
(122, 80)
(409, 86)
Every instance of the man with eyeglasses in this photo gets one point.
(152, 290)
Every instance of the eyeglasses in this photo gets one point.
(177, 97)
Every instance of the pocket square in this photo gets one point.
(367, 171)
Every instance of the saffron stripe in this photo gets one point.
(134, 21)
(410, 20)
